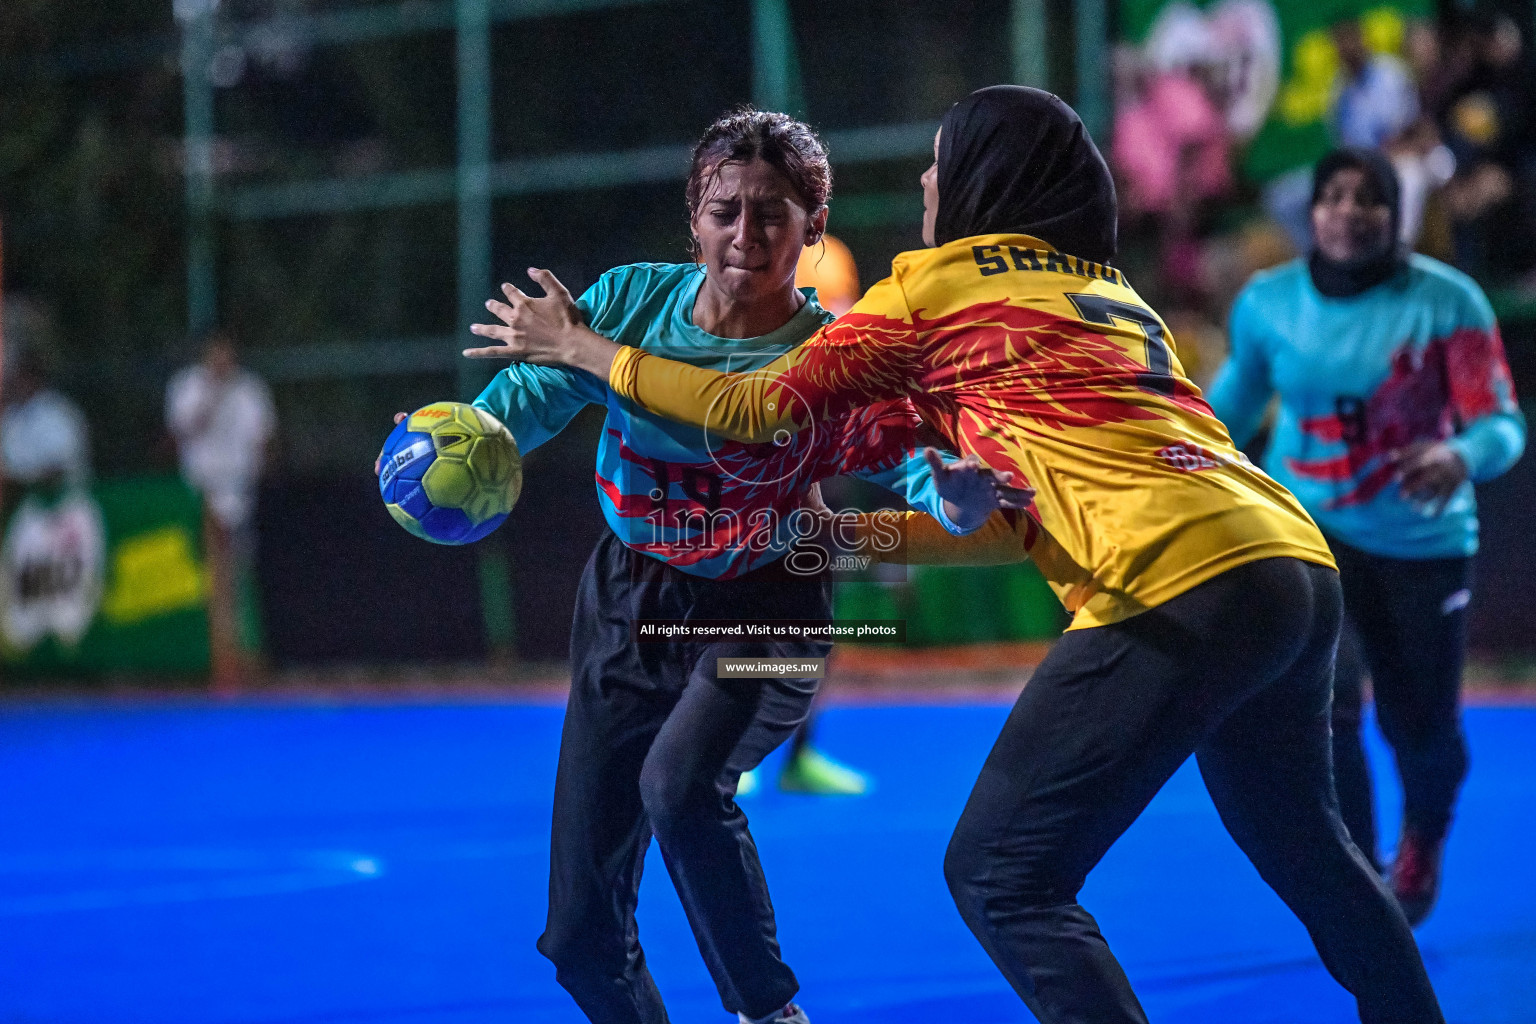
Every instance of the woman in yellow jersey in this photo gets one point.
(1205, 603)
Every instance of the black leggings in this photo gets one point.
(1406, 620)
(653, 744)
(1237, 671)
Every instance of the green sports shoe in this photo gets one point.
(811, 771)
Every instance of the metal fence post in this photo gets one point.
(1027, 36)
(1093, 67)
(475, 284)
(473, 182)
(775, 66)
(197, 38)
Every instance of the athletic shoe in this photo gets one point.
(791, 1014)
(811, 771)
(747, 784)
(1416, 874)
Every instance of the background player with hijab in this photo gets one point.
(1394, 399)
(1205, 603)
(653, 741)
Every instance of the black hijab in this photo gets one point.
(1018, 160)
(1342, 280)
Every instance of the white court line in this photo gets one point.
(260, 873)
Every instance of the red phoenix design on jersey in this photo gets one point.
(974, 373)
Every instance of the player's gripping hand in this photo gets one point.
(1429, 472)
(377, 463)
(971, 491)
(547, 330)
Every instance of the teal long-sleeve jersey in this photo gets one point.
(1360, 379)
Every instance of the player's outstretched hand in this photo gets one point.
(377, 464)
(547, 330)
(971, 491)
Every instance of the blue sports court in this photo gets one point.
(315, 863)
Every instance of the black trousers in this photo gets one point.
(1237, 671)
(653, 744)
(1405, 620)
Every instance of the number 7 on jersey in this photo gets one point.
(1103, 311)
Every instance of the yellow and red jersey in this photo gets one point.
(1043, 364)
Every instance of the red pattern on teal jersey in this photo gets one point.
(729, 507)
(1478, 373)
(1428, 394)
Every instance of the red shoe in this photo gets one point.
(791, 1014)
(1416, 875)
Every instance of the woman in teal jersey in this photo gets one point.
(1394, 399)
(653, 740)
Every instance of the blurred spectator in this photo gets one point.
(1171, 144)
(1436, 67)
(1486, 118)
(43, 436)
(1423, 165)
(1382, 104)
(1376, 105)
(222, 418)
(1376, 101)
(1172, 152)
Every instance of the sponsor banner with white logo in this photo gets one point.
(104, 579)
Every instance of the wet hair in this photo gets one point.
(745, 134)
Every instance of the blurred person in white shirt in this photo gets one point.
(44, 441)
(222, 417)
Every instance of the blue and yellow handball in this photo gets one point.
(450, 473)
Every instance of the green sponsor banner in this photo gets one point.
(1275, 64)
(946, 606)
(109, 578)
